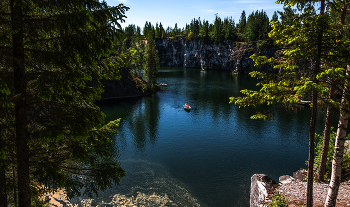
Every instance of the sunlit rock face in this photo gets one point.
(181, 52)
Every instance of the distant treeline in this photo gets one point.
(255, 27)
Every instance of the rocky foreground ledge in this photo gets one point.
(263, 189)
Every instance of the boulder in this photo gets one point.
(260, 184)
(285, 179)
(300, 174)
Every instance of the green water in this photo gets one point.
(202, 157)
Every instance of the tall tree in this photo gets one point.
(274, 17)
(342, 41)
(157, 31)
(151, 61)
(242, 22)
(257, 27)
(50, 71)
(216, 34)
(229, 30)
(300, 37)
(162, 31)
(204, 32)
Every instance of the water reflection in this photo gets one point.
(144, 121)
(139, 115)
(214, 149)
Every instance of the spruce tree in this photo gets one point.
(204, 32)
(274, 17)
(151, 61)
(242, 22)
(314, 53)
(53, 56)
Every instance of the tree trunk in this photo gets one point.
(326, 137)
(310, 172)
(309, 201)
(341, 134)
(3, 194)
(3, 183)
(339, 148)
(20, 87)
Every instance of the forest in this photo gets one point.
(54, 55)
(252, 28)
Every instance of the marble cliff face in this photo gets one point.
(181, 52)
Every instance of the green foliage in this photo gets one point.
(151, 61)
(279, 201)
(216, 34)
(274, 17)
(318, 150)
(67, 50)
(218, 31)
(294, 77)
(242, 22)
(264, 44)
(257, 26)
(204, 32)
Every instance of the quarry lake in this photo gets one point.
(205, 156)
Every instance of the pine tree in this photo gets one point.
(53, 56)
(204, 32)
(274, 17)
(304, 36)
(216, 34)
(162, 31)
(242, 22)
(157, 31)
(151, 61)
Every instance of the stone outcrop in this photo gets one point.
(260, 185)
(300, 174)
(234, 56)
(129, 85)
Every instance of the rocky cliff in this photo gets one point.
(181, 52)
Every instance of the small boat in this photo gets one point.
(203, 71)
(187, 107)
(163, 84)
(302, 102)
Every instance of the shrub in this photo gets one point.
(278, 201)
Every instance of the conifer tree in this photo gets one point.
(52, 58)
(151, 61)
(229, 30)
(274, 17)
(204, 32)
(304, 36)
(162, 31)
(157, 31)
(216, 34)
(242, 22)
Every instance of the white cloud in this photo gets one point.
(123, 1)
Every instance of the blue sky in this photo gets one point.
(183, 11)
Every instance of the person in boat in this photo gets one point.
(187, 106)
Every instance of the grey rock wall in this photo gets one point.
(181, 52)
